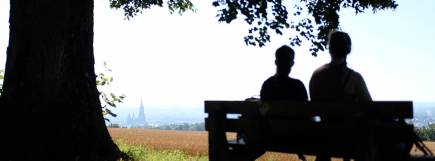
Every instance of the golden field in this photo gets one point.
(192, 142)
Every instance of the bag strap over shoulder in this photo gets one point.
(346, 79)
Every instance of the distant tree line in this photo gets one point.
(426, 133)
(114, 125)
(175, 126)
(181, 127)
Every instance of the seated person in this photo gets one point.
(335, 81)
(280, 86)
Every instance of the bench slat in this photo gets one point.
(231, 107)
(233, 125)
(382, 109)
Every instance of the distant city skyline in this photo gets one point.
(139, 119)
(151, 117)
(175, 61)
(423, 116)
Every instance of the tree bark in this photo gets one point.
(50, 97)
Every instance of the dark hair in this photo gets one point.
(339, 44)
(284, 52)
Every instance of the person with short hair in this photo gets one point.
(280, 86)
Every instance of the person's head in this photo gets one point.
(284, 60)
(339, 44)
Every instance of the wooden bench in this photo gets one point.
(372, 131)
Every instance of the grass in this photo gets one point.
(141, 153)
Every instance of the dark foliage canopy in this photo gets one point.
(311, 20)
(133, 7)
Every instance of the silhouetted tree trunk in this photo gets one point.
(50, 100)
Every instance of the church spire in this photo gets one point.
(141, 116)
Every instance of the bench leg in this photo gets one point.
(217, 142)
(323, 158)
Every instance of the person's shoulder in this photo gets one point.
(356, 77)
(300, 89)
(296, 81)
(355, 74)
(321, 69)
(269, 80)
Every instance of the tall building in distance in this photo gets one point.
(139, 120)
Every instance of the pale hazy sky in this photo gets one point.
(180, 61)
